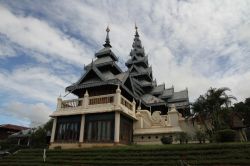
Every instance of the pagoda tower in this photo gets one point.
(138, 68)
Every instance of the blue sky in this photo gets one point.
(44, 46)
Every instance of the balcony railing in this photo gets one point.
(71, 103)
(110, 100)
(101, 99)
(126, 103)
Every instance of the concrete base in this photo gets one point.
(82, 145)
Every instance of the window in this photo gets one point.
(99, 128)
(126, 130)
(99, 131)
(68, 129)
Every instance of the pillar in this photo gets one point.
(173, 116)
(86, 99)
(118, 96)
(117, 127)
(28, 143)
(81, 137)
(59, 103)
(133, 105)
(52, 138)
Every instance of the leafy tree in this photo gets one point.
(38, 137)
(244, 109)
(182, 137)
(213, 106)
(200, 136)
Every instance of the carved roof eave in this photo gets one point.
(100, 83)
(143, 85)
(138, 90)
(185, 104)
(147, 85)
(147, 70)
(129, 62)
(138, 85)
(166, 97)
(177, 100)
(108, 51)
(154, 104)
(93, 67)
(104, 64)
(141, 74)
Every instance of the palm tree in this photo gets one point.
(210, 105)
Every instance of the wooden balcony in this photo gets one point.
(95, 104)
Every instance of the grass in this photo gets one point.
(234, 154)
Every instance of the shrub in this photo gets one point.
(248, 133)
(182, 137)
(167, 140)
(58, 147)
(200, 136)
(226, 135)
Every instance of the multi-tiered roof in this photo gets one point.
(137, 82)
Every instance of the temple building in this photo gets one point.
(118, 107)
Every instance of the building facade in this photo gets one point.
(118, 107)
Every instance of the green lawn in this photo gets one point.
(194, 154)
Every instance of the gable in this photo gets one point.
(90, 76)
(129, 85)
(133, 69)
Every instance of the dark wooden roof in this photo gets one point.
(13, 127)
(137, 80)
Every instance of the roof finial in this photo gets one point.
(92, 63)
(136, 32)
(107, 41)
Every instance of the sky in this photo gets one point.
(44, 46)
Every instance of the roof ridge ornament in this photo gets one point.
(107, 41)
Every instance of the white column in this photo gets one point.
(173, 116)
(52, 138)
(28, 143)
(86, 99)
(134, 105)
(59, 103)
(117, 128)
(118, 96)
(82, 129)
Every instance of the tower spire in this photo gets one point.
(136, 32)
(107, 41)
(137, 41)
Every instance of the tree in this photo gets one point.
(211, 106)
(244, 109)
(38, 138)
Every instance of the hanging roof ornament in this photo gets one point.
(107, 41)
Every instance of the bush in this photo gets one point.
(58, 147)
(248, 133)
(182, 137)
(226, 135)
(200, 136)
(167, 140)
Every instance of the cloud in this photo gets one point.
(37, 35)
(37, 113)
(193, 44)
(34, 83)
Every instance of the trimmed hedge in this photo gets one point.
(167, 140)
(193, 154)
(226, 135)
